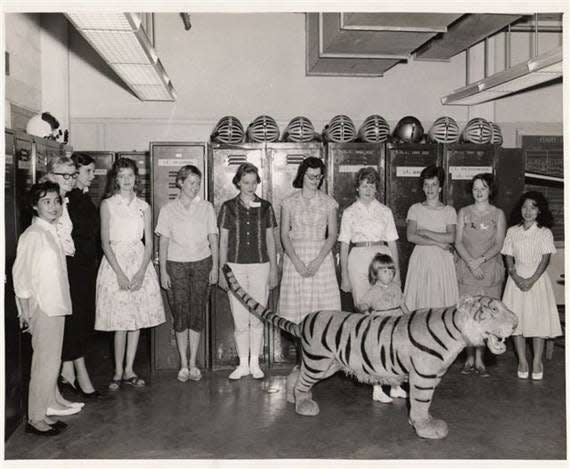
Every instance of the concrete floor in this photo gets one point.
(500, 417)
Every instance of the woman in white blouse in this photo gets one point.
(369, 226)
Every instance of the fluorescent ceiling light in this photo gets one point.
(121, 42)
(540, 69)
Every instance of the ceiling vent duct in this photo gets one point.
(123, 44)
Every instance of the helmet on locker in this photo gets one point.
(228, 130)
(374, 129)
(409, 130)
(477, 130)
(263, 129)
(496, 135)
(340, 129)
(444, 130)
(300, 129)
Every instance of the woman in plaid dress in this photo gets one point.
(308, 234)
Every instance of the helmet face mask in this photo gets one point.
(300, 129)
(340, 129)
(477, 130)
(374, 129)
(228, 130)
(263, 129)
(444, 130)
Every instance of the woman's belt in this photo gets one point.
(365, 244)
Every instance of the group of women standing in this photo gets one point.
(57, 273)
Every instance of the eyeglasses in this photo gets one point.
(314, 177)
(67, 176)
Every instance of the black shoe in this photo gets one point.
(51, 432)
(59, 425)
(88, 395)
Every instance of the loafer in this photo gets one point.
(34, 431)
(62, 412)
(239, 372)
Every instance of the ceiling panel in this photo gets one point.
(419, 22)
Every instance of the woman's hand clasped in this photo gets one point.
(137, 281)
(123, 281)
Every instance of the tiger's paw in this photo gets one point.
(434, 429)
(290, 384)
(307, 407)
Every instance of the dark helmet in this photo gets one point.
(409, 130)
(477, 130)
(300, 129)
(374, 129)
(340, 129)
(228, 130)
(444, 130)
(263, 129)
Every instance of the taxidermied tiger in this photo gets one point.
(387, 349)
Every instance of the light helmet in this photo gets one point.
(263, 129)
(374, 129)
(477, 130)
(444, 130)
(496, 135)
(228, 130)
(340, 129)
(300, 129)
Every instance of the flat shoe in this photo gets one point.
(467, 370)
(482, 372)
(114, 385)
(89, 395)
(239, 372)
(522, 374)
(537, 376)
(183, 375)
(134, 381)
(62, 412)
(51, 432)
(195, 374)
(75, 404)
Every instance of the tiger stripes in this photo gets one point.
(375, 348)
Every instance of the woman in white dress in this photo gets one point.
(128, 293)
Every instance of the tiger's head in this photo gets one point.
(486, 319)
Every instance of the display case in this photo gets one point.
(167, 159)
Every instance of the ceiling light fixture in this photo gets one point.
(123, 44)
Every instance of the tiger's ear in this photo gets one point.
(466, 303)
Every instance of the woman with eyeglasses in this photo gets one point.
(308, 234)
(369, 226)
(82, 269)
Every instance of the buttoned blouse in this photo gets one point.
(372, 223)
(309, 217)
(247, 226)
(187, 229)
(64, 227)
(126, 221)
(40, 270)
(528, 246)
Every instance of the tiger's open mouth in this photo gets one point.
(496, 343)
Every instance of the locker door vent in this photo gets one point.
(236, 160)
(295, 159)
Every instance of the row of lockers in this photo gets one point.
(399, 166)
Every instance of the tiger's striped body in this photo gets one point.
(419, 347)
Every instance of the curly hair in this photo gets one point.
(40, 190)
(112, 186)
(368, 174)
(310, 162)
(544, 217)
(82, 159)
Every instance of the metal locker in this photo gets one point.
(142, 160)
(167, 158)
(404, 163)
(509, 178)
(344, 160)
(45, 150)
(223, 161)
(283, 161)
(461, 162)
(14, 407)
(103, 163)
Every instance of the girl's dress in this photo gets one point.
(382, 299)
(431, 281)
(479, 235)
(116, 309)
(300, 296)
(536, 308)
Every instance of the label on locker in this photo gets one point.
(409, 171)
(177, 162)
(24, 164)
(353, 168)
(466, 173)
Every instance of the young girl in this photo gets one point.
(528, 293)
(384, 297)
(128, 293)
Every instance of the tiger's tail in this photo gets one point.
(255, 308)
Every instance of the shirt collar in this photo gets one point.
(44, 224)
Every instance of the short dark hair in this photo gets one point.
(243, 169)
(431, 172)
(487, 179)
(112, 185)
(309, 162)
(368, 174)
(382, 259)
(186, 171)
(40, 190)
(544, 217)
(82, 159)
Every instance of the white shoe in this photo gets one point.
(183, 375)
(397, 391)
(75, 404)
(62, 412)
(239, 372)
(256, 372)
(379, 395)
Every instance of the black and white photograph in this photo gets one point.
(284, 234)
